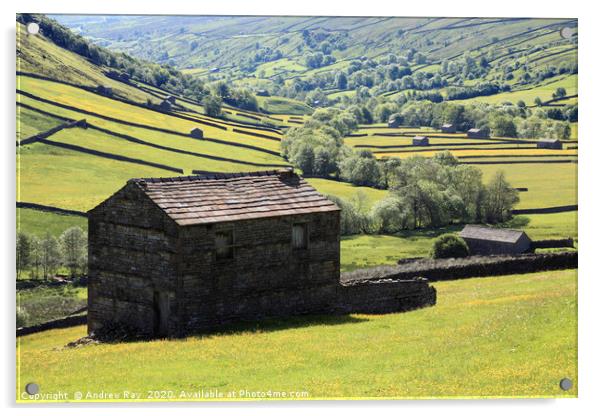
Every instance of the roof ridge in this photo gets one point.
(214, 175)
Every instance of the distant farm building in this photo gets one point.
(196, 133)
(171, 99)
(170, 256)
(420, 141)
(483, 240)
(263, 93)
(448, 128)
(477, 134)
(549, 144)
(394, 122)
(214, 70)
(104, 90)
(165, 106)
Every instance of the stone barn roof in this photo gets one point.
(503, 235)
(223, 197)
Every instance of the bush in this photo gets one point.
(22, 317)
(449, 246)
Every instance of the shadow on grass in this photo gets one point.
(278, 324)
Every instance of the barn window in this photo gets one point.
(300, 237)
(224, 244)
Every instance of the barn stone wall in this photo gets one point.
(132, 251)
(266, 277)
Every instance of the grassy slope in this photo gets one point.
(472, 343)
(360, 251)
(38, 55)
(30, 122)
(39, 223)
(549, 184)
(67, 179)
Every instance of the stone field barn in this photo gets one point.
(483, 240)
(168, 256)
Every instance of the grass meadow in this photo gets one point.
(512, 336)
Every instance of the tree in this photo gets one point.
(36, 256)
(74, 246)
(304, 159)
(341, 81)
(500, 198)
(23, 252)
(559, 93)
(51, 255)
(213, 106)
(449, 246)
(538, 101)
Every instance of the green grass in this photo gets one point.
(44, 303)
(346, 190)
(282, 105)
(41, 56)
(85, 100)
(543, 91)
(95, 140)
(30, 122)
(66, 179)
(550, 185)
(511, 336)
(172, 140)
(361, 251)
(33, 221)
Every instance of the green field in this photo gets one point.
(346, 190)
(39, 223)
(473, 343)
(30, 122)
(543, 91)
(550, 185)
(361, 251)
(282, 105)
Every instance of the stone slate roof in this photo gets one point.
(223, 197)
(504, 235)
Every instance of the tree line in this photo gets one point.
(43, 257)
(430, 192)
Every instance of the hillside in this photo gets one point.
(278, 53)
(125, 138)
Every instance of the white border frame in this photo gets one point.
(589, 199)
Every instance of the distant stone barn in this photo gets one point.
(483, 240)
(477, 134)
(448, 128)
(420, 141)
(197, 133)
(169, 256)
(549, 144)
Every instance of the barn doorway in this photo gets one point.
(161, 313)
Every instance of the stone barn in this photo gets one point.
(483, 240)
(263, 93)
(549, 144)
(477, 134)
(420, 141)
(105, 90)
(196, 133)
(169, 256)
(448, 128)
(170, 99)
(394, 121)
(165, 106)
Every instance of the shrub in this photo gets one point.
(22, 317)
(449, 246)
